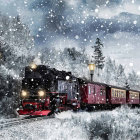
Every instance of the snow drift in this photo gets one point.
(121, 123)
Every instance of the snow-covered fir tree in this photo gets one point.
(109, 71)
(134, 80)
(98, 55)
(120, 76)
(114, 74)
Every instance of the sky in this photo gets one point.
(77, 23)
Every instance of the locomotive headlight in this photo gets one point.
(67, 77)
(41, 93)
(24, 94)
(33, 66)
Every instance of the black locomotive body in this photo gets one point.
(46, 90)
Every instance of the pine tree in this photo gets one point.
(109, 71)
(98, 55)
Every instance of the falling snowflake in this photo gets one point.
(96, 10)
(76, 37)
(107, 2)
(133, 1)
(39, 29)
(134, 22)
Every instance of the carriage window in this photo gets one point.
(104, 91)
(118, 93)
(122, 94)
(115, 93)
(89, 90)
(112, 92)
(101, 92)
(93, 90)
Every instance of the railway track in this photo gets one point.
(18, 121)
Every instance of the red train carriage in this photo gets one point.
(116, 95)
(133, 97)
(93, 94)
(106, 96)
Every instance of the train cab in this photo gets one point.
(133, 97)
(93, 93)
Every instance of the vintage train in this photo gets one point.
(46, 90)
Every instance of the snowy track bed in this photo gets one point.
(121, 123)
(16, 121)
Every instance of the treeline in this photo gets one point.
(114, 74)
(15, 53)
(107, 70)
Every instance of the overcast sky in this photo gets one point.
(77, 23)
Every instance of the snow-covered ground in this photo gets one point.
(119, 124)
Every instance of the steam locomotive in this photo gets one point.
(46, 91)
